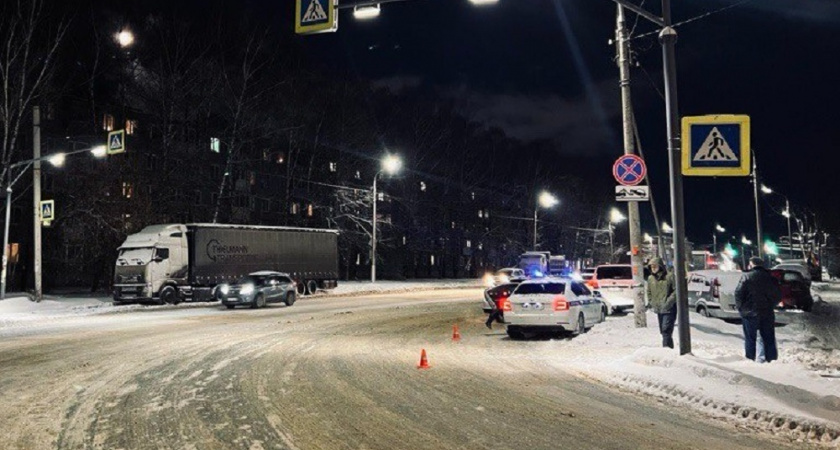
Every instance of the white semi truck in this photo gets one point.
(172, 263)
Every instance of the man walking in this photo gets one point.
(755, 297)
(663, 300)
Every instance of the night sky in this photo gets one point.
(543, 69)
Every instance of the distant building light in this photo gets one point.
(215, 145)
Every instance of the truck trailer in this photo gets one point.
(172, 263)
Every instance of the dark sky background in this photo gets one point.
(543, 69)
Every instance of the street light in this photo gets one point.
(546, 200)
(615, 217)
(367, 12)
(391, 164)
(483, 2)
(125, 38)
(786, 214)
(718, 229)
(667, 228)
(56, 160)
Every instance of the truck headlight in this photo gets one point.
(224, 289)
(247, 289)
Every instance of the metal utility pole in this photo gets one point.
(668, 39)
(36, 199)
(634, 222)
(758, 245)
(535, 228)
(790, 236)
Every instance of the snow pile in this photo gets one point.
(380, 287)
(798, 395)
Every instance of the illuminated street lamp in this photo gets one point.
(546, 200)
(484, 2)
(57, 160)
(718, 229)
(667, 228)
(391, 164)
(367, 12)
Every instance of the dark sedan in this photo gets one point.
(258, 289)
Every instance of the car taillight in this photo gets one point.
(504, 304)
(593, 283)
(560, 303)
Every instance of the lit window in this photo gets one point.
(281, 157)
(472, 195)
(108, 123)
(422, 186)
(403, 240)
(469, 243)
(486, 213)
(127, 189)
(310, 209)
(358, 175)
(432, 259)
(453, 225)
(294, 209)
(333, 167)
(381, 196)
(215, 145)
(130, 126)
(480, 246)
(480, 214)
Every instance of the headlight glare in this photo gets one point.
(247, 289)
(224, 289)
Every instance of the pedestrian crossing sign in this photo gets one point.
(47, 212)
(716, 145)
(116, 142)
(315, 16)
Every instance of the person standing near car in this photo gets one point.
(663, 299)
(755, 297)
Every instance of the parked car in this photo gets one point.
(258, 289)
(552, 305)
(796, 266)
(795, 291)
(504, 276)
(615, 284)
(711, 293)
(494, 297)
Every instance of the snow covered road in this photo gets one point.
(329, 372)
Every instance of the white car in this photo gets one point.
(552, 305)
(615, 284)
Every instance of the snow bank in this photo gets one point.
(798, 395)
(380, 287)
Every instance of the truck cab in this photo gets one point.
(152, 265)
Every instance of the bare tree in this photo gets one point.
(28, 46)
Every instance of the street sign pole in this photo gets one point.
(36, 198)
(668, 39)
(634, 222)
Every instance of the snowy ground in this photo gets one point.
(798, 395)
(17, 310)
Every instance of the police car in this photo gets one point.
(552, 305)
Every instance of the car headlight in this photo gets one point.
(488, 280)
(247, 289)
(503, 279)
(224, 289)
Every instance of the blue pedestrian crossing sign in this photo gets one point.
(716, 145)
(315, 16)
(116, 142)
(47, 212)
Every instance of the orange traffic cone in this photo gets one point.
(424, 363)
(456, 335)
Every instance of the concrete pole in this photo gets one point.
(758, 246)
(36, 199)
(535, 228)
(373, 239)
(790, 236)
(668, 39)
(714, 246)
(6, 238)
(634, 221)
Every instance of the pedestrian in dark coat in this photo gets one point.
(756, 296)
(663, 300)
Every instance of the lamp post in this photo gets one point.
(57, 160)
(785, 213)
(718, 229)
(744, 243)
(546, 200)
(615, 217)
(391, 164)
